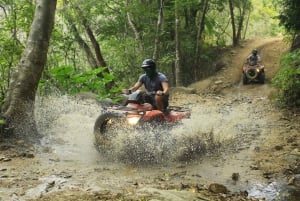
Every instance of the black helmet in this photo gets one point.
(254, 51)
(148, 63)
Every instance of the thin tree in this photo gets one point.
(199, 38)
(158, 29)
(178, 73)
(234, 36)
(93, 52)
(137, 34)
(244, 7)
(18, 109)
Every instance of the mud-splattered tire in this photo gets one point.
(106, 127)
(251, 74)
(261, 77)
(245, 79)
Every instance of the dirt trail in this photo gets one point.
(243, 133)
(269, 48)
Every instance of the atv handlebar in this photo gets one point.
(129, 91)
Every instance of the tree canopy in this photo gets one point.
(289, 14)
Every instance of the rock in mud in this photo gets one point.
(217, 188)
(4, 159)
(218, 82)
(235, 176)
(295, 181)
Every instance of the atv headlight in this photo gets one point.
(258, 70)
(133, 119)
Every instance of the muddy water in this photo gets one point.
(216, 142)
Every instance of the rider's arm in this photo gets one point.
(165, 86)
(248, 58)
(136, 86)
(258, 58)
(165, 91)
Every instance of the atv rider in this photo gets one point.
(253, 59)
(156, 83)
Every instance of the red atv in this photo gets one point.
(253, 73)
(134, 115)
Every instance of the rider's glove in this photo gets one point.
(160, 93)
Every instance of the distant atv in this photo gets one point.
(136, 114)
(253, 73)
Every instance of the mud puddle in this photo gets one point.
(216, 143)
(235, 137)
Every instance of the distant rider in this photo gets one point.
(154, 82)
(254, 58)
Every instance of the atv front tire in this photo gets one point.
(261, 77)
(107, 127)
(251, 74)
(245, 79)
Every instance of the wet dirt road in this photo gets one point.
(234, 130)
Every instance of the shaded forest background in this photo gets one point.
(98, 46)
(118, 35)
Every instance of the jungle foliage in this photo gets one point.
(287, 79)
(289, 15)
(115, 36)
(65, 80)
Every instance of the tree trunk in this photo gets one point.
(158, 28)
(89, 54)
(199, 38)
(135, 31)
(241, 20)
(231, 10)
(295, 42)
(178, 73)
(247, 23)
(94, 56)
(96, 45)
(18, 109)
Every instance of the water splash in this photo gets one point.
(67, 126)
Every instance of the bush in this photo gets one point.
(67, 81)
(287, 80)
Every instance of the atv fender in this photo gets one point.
(154, 115)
